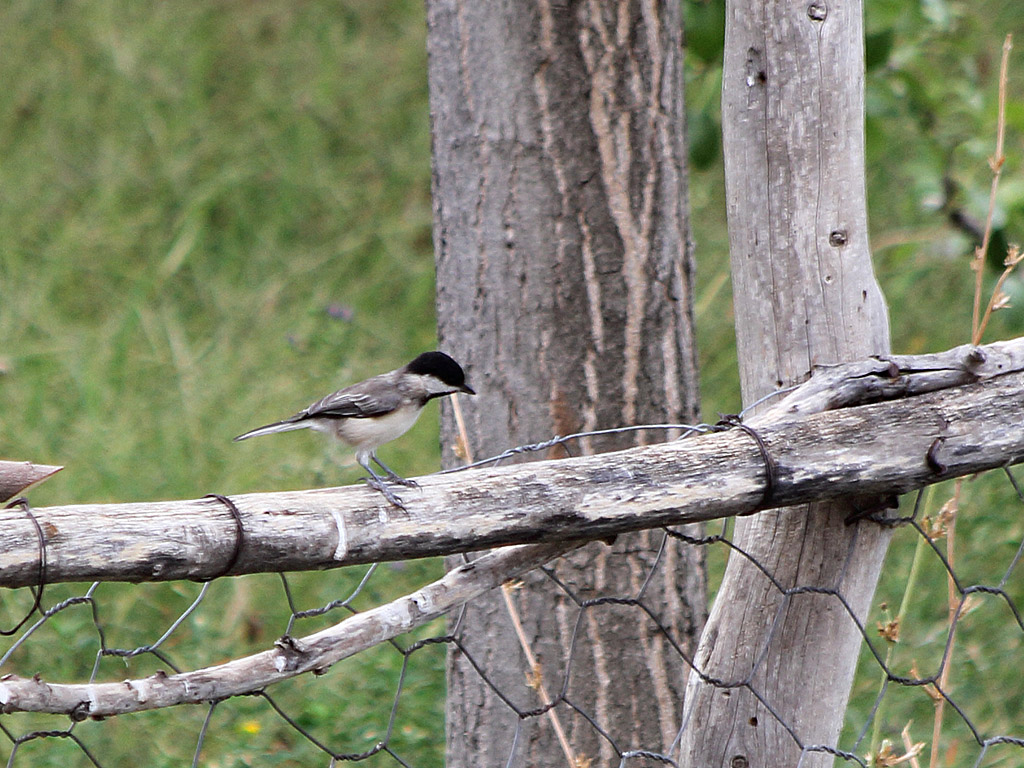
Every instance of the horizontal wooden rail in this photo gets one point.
(933, 417)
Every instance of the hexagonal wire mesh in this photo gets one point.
(975, 656)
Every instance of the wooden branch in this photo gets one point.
(288, 658)
(957, 415)
(886, 447)
(894, 376)
(18, 476)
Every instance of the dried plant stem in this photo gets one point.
(462, 449)
(465, 453)
(953, 600)
(996, 164)
(1012, 260)
(910, 750)
(978, 325)
(537, 680)
(920, 551)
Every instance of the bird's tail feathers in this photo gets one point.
(278, 426)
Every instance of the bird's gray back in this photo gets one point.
(359, 401)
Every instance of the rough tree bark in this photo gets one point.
(564, 282)
(805, 294)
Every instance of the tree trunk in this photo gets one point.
(805, 294)
(564, 283)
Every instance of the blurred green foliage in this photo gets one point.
(213, 213)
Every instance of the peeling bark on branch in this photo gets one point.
(919, 406)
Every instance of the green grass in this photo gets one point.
(189, 192)
(213, 213)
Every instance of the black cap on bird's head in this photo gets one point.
(440, 366)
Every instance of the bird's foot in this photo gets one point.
(403, 481)
(379, 485)
(396, 478)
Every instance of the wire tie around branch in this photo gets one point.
(735, 421)
(239, 534)
(22, 502)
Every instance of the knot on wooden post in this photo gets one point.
(817, 10)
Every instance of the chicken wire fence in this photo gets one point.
(941, 656)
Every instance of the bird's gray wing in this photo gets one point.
(355, 402)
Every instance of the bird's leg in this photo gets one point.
(377, 482)
(393, 476)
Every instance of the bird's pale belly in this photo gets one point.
(368, 434)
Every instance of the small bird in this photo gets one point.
(368, 414)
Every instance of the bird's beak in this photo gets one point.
(467, 389)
